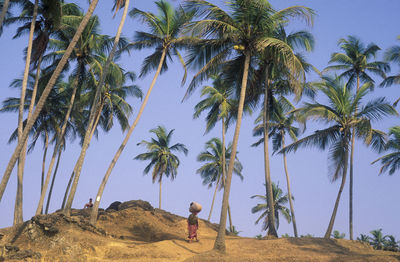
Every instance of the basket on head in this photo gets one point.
(195, 207)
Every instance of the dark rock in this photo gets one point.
(12, 248)
(136, 203)
(114, 206)
(25, 254)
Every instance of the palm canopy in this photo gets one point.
(392, 55)
(227, 37)
(281, 122)
(160, 154)
(211, 171)
(355, 61)
(342, 112)
(391, 161)
(279, 201)
(115, 91)
(218, 100)
(165, 34)
(49, 22)
(51, 117)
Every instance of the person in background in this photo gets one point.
(193, 224)
(89, 205)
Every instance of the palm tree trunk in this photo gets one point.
(289, 191)
(93, 217)
(18, 216)
(3, 12)
(215, 193)
(67, 189)
(59, 142)
(79, 164)
(332, 220)
(230, 218)
(224, 170)
(159, 196)
(43, 98)
(353, 140)
(268, 182)
(96, 122)
(220, 240)
(52, 181)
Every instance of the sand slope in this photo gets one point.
(138, 232)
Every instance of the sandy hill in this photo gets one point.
(135, 231)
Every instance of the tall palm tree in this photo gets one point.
(221, 107)
(238, 35)
(342, 113)
(356, 64)
(94, 108)
(212, 171)
(391, 161)
(392, 54)
(161, 156)
(50, 119)
(280, 124)
(46, 92)
(279, 202)
(165, 36)
(86, 54)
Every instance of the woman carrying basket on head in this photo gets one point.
(193, 221)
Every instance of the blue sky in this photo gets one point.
(375, 197)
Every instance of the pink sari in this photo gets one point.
(192, 231)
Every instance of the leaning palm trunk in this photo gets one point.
(44, 96)
(53, 180)
(220, 240)
(58, 144)
(18, 217)
(3, 12)
(71, 178)
(270, 199)
(93, 110)
(215, 193)
(93, 216)
(224, 170)
(288, 188)
(353, 140)
(332, 220)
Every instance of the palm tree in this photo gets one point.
(390, 243)
(86, 54)
(44, 96)
(49, 121)
(279, 201)
(393, 55)
(221, 107)
(364, 238)
(356, 64)
(161, 156)
(235, 36)
(95, 105)
(391, 161)
(280, 124)
(164, 36)
(337, 235)
(377, 239)
(343, 115)
(212, 171)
